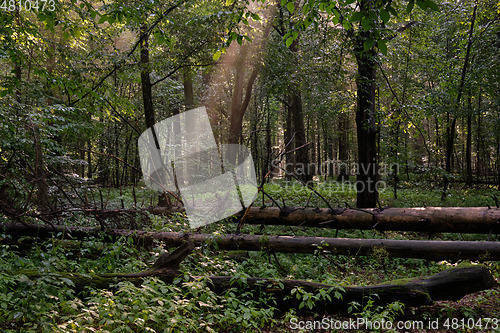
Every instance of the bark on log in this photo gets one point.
(451, 284)
(432, 250)
(481, 220)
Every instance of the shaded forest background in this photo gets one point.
(81, 82)
(336, 95)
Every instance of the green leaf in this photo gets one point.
(291, 7)
(382, 46)
(335, 18)
(432, 5)
(329, 9)
(306, 8)
(217, 55)
(422, 4)
(229, 2)
(283, 3)
(410, 5)
(103, 19)
(68, 282)
(289, 41)
(392, 11)
(356, 17)
(368, 44)
(366, 24)
(307, 23)
(384, 15)
(256, 17)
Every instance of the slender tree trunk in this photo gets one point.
(451, 130)
(301, 154)
(479, 139)
(394, 152)
(439, 159)
(330, 155)
(242, 92)
(318, 143)
(343, 147)
(147, 91)
(123, 179)
(116, 152)
(188, 89)
(147, 98)
(268, 164)
(42, 189)
(468, 145)
(290, 158)
(240, 102)
(237, 112)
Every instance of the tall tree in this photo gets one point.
(450, 131)
(365, 23)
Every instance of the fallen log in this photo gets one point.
(431, 250)
(451, 284)
(471, 220)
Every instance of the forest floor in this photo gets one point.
(477, 312)
(50, 304)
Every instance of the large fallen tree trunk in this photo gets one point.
(451, 284)
(481, 220)
(432, 250)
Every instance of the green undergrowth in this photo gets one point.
(49, 303)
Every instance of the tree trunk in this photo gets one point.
(289, 138)
(343, 146)
(330, 153)
(188, 89)
(480, 220)
(468, 151)
(430, 250)
(394, 151)
(479, 140)
(367, 180)
(301, 154)
(450, 141)
(42, 188)
(319, 146)
(451, 284)
(239, 103)
(147, 91)
(366, 184)
(243, 92)
(236, 111)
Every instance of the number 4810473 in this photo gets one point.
(28, 5)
